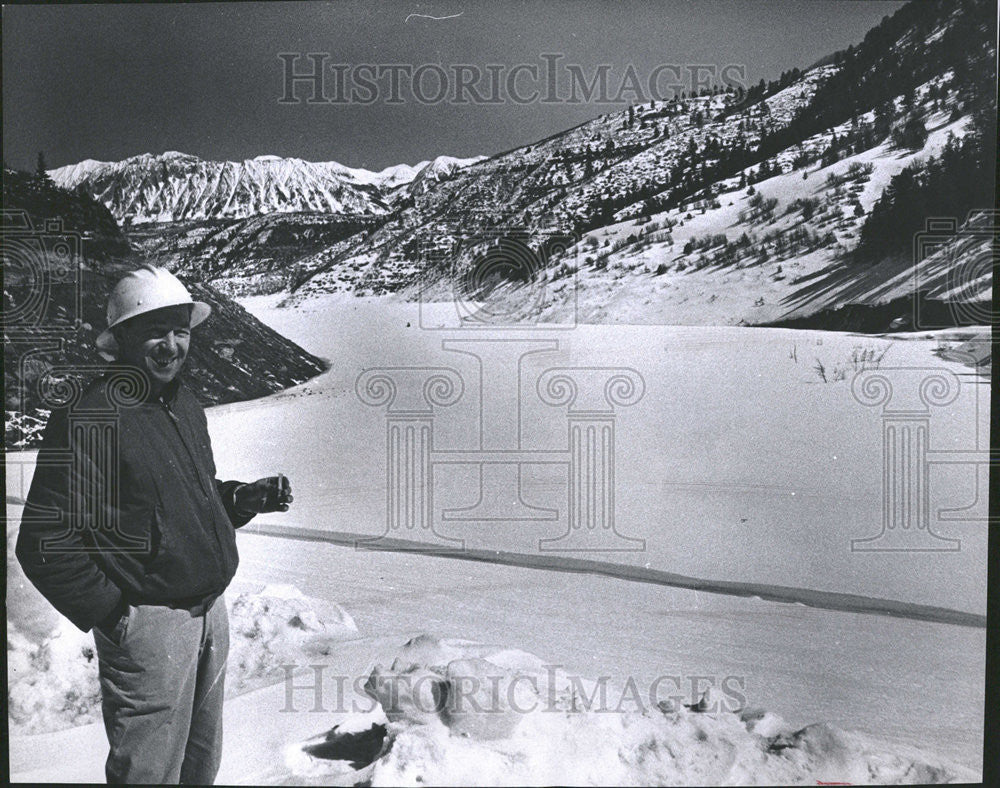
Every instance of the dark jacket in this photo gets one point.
(124, 506)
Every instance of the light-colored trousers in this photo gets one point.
(162, 685)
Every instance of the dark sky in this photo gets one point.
(111, 81)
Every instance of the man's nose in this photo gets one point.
(170, 341)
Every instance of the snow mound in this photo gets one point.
(52, 666)
(51, 681)
(460, 713)
(277, 626)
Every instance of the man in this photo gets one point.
(127, 532)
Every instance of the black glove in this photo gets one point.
(270, 494)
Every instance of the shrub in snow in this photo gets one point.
(909, 133)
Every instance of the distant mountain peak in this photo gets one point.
(178, 186)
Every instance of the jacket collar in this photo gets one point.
(169, 392)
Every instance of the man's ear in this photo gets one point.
(118, 332)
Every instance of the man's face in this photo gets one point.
(157, 341)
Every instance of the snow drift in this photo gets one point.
(52, 665)
(454, 712)
(277, 626)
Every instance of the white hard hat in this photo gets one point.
(144, 290)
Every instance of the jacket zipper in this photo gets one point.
(201, 481)
(180, 434)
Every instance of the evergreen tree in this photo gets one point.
(951, 184)
(42, 171)
(912, 134)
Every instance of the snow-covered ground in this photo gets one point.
(738, 464)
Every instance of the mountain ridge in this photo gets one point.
(176, 186)
(775, 187)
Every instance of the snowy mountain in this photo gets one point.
(173, 187)
(717, 207)
(721, 207)
(439, 169)
(388, 178)
(442, 168)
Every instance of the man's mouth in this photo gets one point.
(163, 363)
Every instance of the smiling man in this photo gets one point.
(133, 536)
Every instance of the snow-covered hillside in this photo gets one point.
(712, 208)
(761, 254)
(715, 207)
